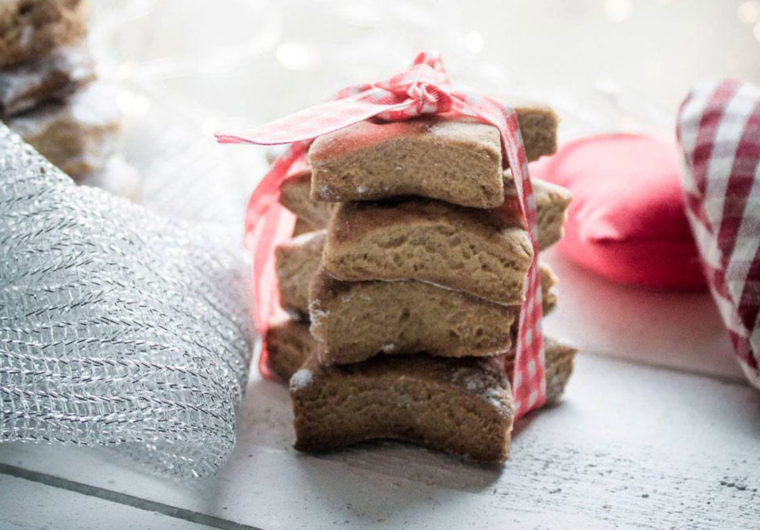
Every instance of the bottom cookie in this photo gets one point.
(460, 406)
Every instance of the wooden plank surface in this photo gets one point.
(631, 446)
(30, 504)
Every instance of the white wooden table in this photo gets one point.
(632, 445)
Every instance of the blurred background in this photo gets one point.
(188, 68)
(258, 59)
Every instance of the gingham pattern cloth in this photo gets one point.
(424, 88)
(719, 133)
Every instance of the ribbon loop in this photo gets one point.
(425, 87)
(427, 99)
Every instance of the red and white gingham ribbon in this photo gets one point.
(424, 88)
(719, 133)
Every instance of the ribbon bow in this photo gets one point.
(425, 88)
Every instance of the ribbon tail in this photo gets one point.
(319, 120)
(528, 380)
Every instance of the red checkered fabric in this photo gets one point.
(719, 133)
(422, 89)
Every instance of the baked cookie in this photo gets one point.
(118, 177)
(295, 195)
(297, 261)
(480, 252)
(460, 406)
(50, 77)
(538, 127)
(549, 281)
(304, 227)
(552, 203)
(559, 358)
(353, 321)
(31, 28)
(78, 136)
(453, 159)
(290, 345)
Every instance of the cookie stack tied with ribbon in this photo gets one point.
(48, 97)
(413, 296)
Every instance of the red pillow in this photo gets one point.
(626, 221)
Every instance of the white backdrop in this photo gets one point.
(188, 68)
(259, 59)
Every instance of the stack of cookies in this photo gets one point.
(48, 97)
(404, 281)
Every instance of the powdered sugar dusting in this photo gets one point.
(316, 315)
(301, 379)
(25, 38)
(326, 193)
(477, 383)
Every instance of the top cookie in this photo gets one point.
(31, 28)
(454, 160)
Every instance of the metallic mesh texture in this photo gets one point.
(117, 327)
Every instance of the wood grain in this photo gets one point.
(27, 504)
(630, 446)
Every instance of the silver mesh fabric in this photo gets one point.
(117, 327)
